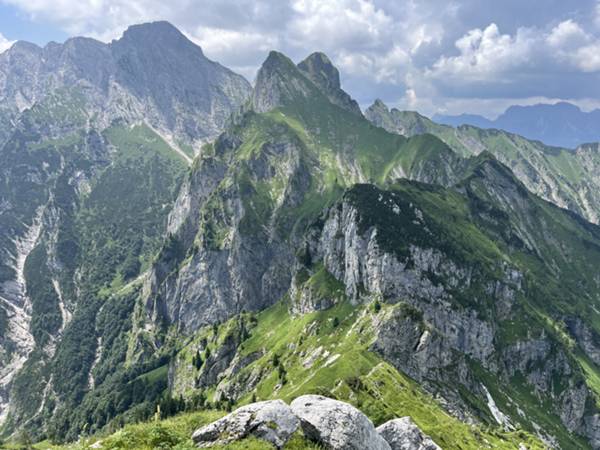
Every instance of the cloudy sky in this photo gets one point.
(448, 56)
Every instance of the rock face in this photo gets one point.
(427, 333)
(403, 434)
(271, 420)
(152, 74)
(335, 424)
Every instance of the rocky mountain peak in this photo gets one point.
(378, 104)
(380, 115)
(489, 177)
(276, 61)
(321, 71)
(278, 83)
(159, 35)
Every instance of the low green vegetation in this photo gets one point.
(164, 434)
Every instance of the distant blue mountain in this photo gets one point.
(562, 124)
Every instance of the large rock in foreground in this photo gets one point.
(403, 434)
(271, 420)
(336, 424)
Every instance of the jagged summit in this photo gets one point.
(280, 82)
(405, 123)
(275, 59)
(24, 46)
(378, 103)
(319, 68)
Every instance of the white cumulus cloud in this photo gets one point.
(5, 44)
(486, 53)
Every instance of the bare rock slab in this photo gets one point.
(336, 425)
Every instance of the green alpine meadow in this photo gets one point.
(188, 259)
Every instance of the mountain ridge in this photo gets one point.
(560, 124)
(562, 176)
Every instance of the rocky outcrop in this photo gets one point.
(272, 421)
(356, 257)
(412, 345)
(335, 424)
(236, 260)
(586, 337)
(403, 434)
(330, 423)
(427, 333)
(405, 123)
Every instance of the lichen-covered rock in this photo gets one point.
(404, 434)
(271, 420)
(335, 424)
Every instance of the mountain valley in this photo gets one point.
(186, 244)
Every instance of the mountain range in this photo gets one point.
(561, 124)
(186, 243)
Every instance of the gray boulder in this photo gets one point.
(271, 420)
(403, 434)
(336, 425)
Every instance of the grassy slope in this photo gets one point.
(357, 376)
(337, 342)
(168, 434)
